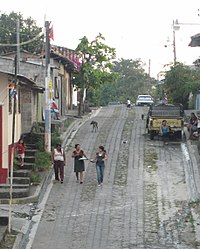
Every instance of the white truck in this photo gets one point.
(144, 100)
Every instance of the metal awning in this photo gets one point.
(24, 80)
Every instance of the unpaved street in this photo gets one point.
(145, 199)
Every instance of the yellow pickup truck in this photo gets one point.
(173, 114)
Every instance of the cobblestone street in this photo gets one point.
(145, 202)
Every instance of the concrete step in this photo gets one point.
(31, 146)
(29, 159)
(16, 193)
(30, 152)
(20, 180)
(7, 185)
(22, 173)
(28, 165)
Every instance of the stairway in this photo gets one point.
(21, 176)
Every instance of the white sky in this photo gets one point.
(137, 29)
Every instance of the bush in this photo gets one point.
(40, 143)
(15, 164)
(42, 161)
(55, 139)
(35, 178)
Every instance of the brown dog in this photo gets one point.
(94, 126)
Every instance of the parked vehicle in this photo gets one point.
(173, 114)
(144, 100)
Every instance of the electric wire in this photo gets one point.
(22, 43)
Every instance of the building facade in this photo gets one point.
(24, 109)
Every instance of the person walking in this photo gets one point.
(20, 149)
(79, 165)
(58, 161)
(100, 159)
(128, 103)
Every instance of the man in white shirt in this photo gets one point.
(128, 103)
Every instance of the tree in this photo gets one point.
(28, 31)
(180, 81)
(131, 82)
(96, 61)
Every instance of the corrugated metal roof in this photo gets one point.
(195, 41)
(25, 80)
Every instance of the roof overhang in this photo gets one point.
(70, 65)
(195, 41)
(23, 80)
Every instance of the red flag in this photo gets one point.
(51, 34)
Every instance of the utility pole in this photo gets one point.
(47, 95)
(149, 68)
(174, 46)
(149, 74)
(17, 61)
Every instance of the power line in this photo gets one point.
(22, 43)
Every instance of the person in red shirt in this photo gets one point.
(20, 151)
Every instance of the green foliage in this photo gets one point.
(180, 81)
(42, 161)
(15, 164)
(159, 91)
(95, 53)
(131, 80)
(35, 178)
(96, 62)
(55, 139)
(28, 30)
(40, 143)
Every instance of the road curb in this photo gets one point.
(194, 172)
(194, 156)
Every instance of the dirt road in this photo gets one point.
(145, 199)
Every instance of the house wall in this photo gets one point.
(68, 96)
(32, 70)
(28, 108)
(75, 97)
(197, 101)
(35, 70)
(60, 87)
(6, 120)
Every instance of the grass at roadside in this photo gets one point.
(123, 155)
(8, 241)
(150, 158)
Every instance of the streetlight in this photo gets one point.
(176, 26)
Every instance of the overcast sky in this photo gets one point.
(137, 29)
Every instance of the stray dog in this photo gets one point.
(94, 126)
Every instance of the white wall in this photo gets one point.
(7, 120)
(74, 97)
